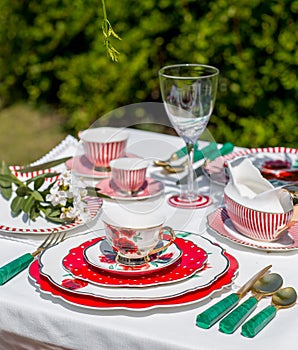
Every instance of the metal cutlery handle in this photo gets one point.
(198, 154)
(210, 316)
(253, 326)
(14, 267)
(183, 152)
(231, 322)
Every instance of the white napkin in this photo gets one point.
(248, 187)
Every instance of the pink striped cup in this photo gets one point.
(101, 145)
(129, 174)
(258, 225)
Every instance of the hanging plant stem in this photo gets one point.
(107, 33)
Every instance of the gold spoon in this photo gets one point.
(264, 286)
(283, 298)
(175, 168)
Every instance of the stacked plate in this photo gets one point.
(83, 271)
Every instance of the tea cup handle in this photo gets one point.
(173, 236)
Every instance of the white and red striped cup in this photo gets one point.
(101, 145)
(258, 225)
(129, 174)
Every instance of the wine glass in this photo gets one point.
(189, 93)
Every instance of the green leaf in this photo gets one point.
(55, 219)
(42, 176)
(94, 192)
(6, 192)
(27, 204)
(37, 196)
(44, 166)
(38, 183)
(16, 205)
(34, 213)
(5, 185)
(54, 213)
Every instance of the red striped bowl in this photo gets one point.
(129, 174)
(258, 225)
(101, 145)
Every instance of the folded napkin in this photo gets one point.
(249, 188)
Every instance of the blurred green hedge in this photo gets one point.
(52, 52)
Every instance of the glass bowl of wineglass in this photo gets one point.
(188, 93)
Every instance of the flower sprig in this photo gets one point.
(108, 31)
(53, 196)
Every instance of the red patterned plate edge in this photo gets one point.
(92, 302)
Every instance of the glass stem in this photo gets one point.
(190, 175)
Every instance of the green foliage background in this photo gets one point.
(52, 52)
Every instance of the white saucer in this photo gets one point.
(101, 255)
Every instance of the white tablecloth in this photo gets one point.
(30, 320)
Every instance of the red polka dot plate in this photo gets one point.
(192, 260)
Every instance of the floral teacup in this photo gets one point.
(134, 237)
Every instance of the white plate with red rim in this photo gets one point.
(51, 266)
(160, 270)
(220, 222)
(70, 296)
(275, 163)
(23, 225)
(151, 188)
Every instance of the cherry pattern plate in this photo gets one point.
(102, 256)
(52, 267)
(45, 286)
(220, 222)
(22, 225)
(275, 163)
(193, 259)
(151, 188)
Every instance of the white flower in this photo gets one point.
(56, 197)
(66, 178)
(69, 214)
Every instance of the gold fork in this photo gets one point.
(19, 264)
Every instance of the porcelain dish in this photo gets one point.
(51, 266)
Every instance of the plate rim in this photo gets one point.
(203, 264)
(270, 245)
(230, 274)
(170, 294)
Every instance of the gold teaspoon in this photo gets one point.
(283, 298)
